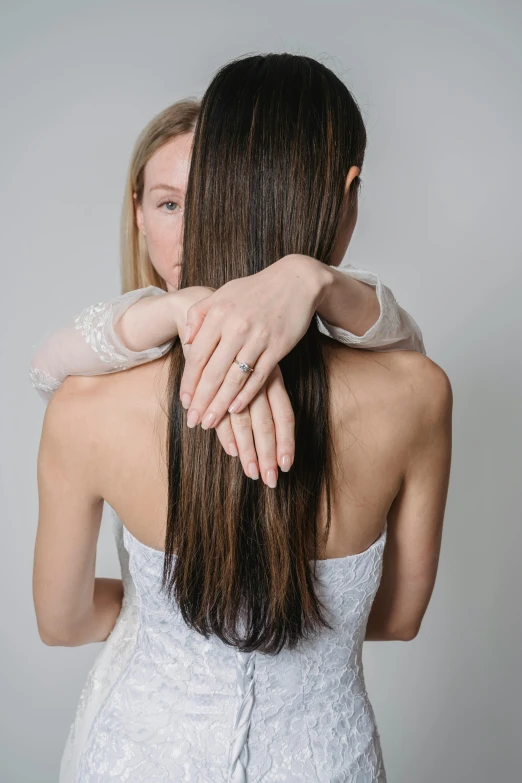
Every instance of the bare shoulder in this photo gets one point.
(99, 403)
(405, 381)
(76, 387)
(72, 416)
(77, 395)
(423, 383)
(82, 402)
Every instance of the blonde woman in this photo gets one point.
(258, 318)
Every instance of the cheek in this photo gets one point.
(164, 238)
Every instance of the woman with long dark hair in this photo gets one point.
(352, 306)
(253, 601)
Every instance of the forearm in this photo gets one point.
(348, 303)
(101, 618)
(380, 629)
(91, 345)
(149, 322)
(376, 634)
(344, 301)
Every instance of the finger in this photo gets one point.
(242, 427)
(201, 349)
(263, 367)
(195, 317)
(284, 421)
(263, 428)
(226, 437)
(214, 401)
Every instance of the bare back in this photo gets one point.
(377, 403)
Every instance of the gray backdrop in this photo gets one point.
(440, 213)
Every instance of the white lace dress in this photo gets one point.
(315, 697)
(186, 708)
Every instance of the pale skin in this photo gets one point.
(103, 439)
(257, 319)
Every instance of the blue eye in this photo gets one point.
(170, 206)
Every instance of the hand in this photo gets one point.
(257, 319)
(183, 300)
(262, 435)
(263, 432)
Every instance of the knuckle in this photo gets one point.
(224, 428)
(263, 334)
(211, 374)
(236, 376)
(196, 358)
(259, 375)
(242, 326)
(265, 426)
(242, 421)
(220, 310)
(247, 454)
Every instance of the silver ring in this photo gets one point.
(244, 366)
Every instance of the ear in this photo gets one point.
(139, 215)
(353, 172)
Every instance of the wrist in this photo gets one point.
(318, 277)
(174, 313)
(147, 323)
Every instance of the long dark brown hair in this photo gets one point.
(273, 144)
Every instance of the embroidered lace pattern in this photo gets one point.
(43, 382)
(92, 323)
(95, 327)
(185, 708)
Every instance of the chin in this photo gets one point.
(172, 278)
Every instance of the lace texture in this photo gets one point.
(110, 661)
(90, 346)
(186, 708)
(92, 322)
(44, 383)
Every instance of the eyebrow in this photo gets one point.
(165, 187)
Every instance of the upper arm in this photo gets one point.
(69, 515)
(415, 520)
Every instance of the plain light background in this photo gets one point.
(440, 220)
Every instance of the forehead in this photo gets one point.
(171, 163)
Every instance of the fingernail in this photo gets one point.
(192, 419)
(232, 450)
(188, 332)
(207, 421)
(286, 463)
(233, 408)
(271, 478)
(252, 470)
(186, 399)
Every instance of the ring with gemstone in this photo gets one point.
(244, 366)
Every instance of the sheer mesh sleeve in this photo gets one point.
(394, 330)
(89, 345)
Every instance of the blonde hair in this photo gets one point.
(136, 267)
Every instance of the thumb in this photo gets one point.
(195, 317)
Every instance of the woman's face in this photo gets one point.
(160, 215)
